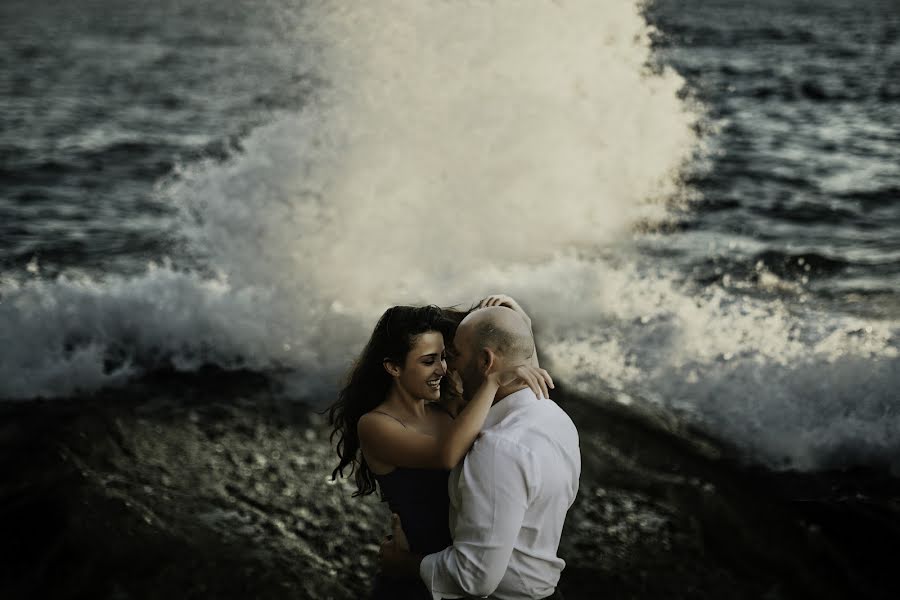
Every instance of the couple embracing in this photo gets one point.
(446, 413)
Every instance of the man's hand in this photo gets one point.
(392, 559)
(452, 394)
(400, 541)
(396, 559)
(456, 384)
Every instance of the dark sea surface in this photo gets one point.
(169, 199)
(103, 99)
(805, 162)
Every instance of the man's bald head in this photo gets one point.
(502, 330)
(489, 339)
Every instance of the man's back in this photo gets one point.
(509, 499)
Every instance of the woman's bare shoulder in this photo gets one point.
(379, 413)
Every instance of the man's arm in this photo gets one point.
(495, 486)
(398, 562)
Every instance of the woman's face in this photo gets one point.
(424, 367)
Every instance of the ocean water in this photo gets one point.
(698, 202)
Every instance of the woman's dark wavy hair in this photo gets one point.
(368, 383)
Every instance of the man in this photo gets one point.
(509, 497)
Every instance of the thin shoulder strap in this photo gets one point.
(391, 416)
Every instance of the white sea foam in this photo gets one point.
(511, 146)
(792, 386)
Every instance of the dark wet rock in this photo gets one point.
(191, 490)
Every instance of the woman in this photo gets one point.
(396, 428)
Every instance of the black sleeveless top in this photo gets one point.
(420, 497)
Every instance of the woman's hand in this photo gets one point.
(535, 378)
(507, 301)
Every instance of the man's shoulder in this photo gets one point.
(541, 415)
(535, 433)
(518, 430)
(504, 439)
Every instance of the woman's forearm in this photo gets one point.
(458, 438)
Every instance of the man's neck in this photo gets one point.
(508, 390)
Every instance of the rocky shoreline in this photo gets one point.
(215, 486)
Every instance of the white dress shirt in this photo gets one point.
(508, 502)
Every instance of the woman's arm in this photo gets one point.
(390, 442)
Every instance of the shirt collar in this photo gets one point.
(505, 406)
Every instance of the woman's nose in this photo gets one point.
(443, 366)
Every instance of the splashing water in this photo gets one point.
(448, 148)
(511, 146)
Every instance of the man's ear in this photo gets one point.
(391, 367)
(488, 359)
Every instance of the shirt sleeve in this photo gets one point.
(496, 484)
